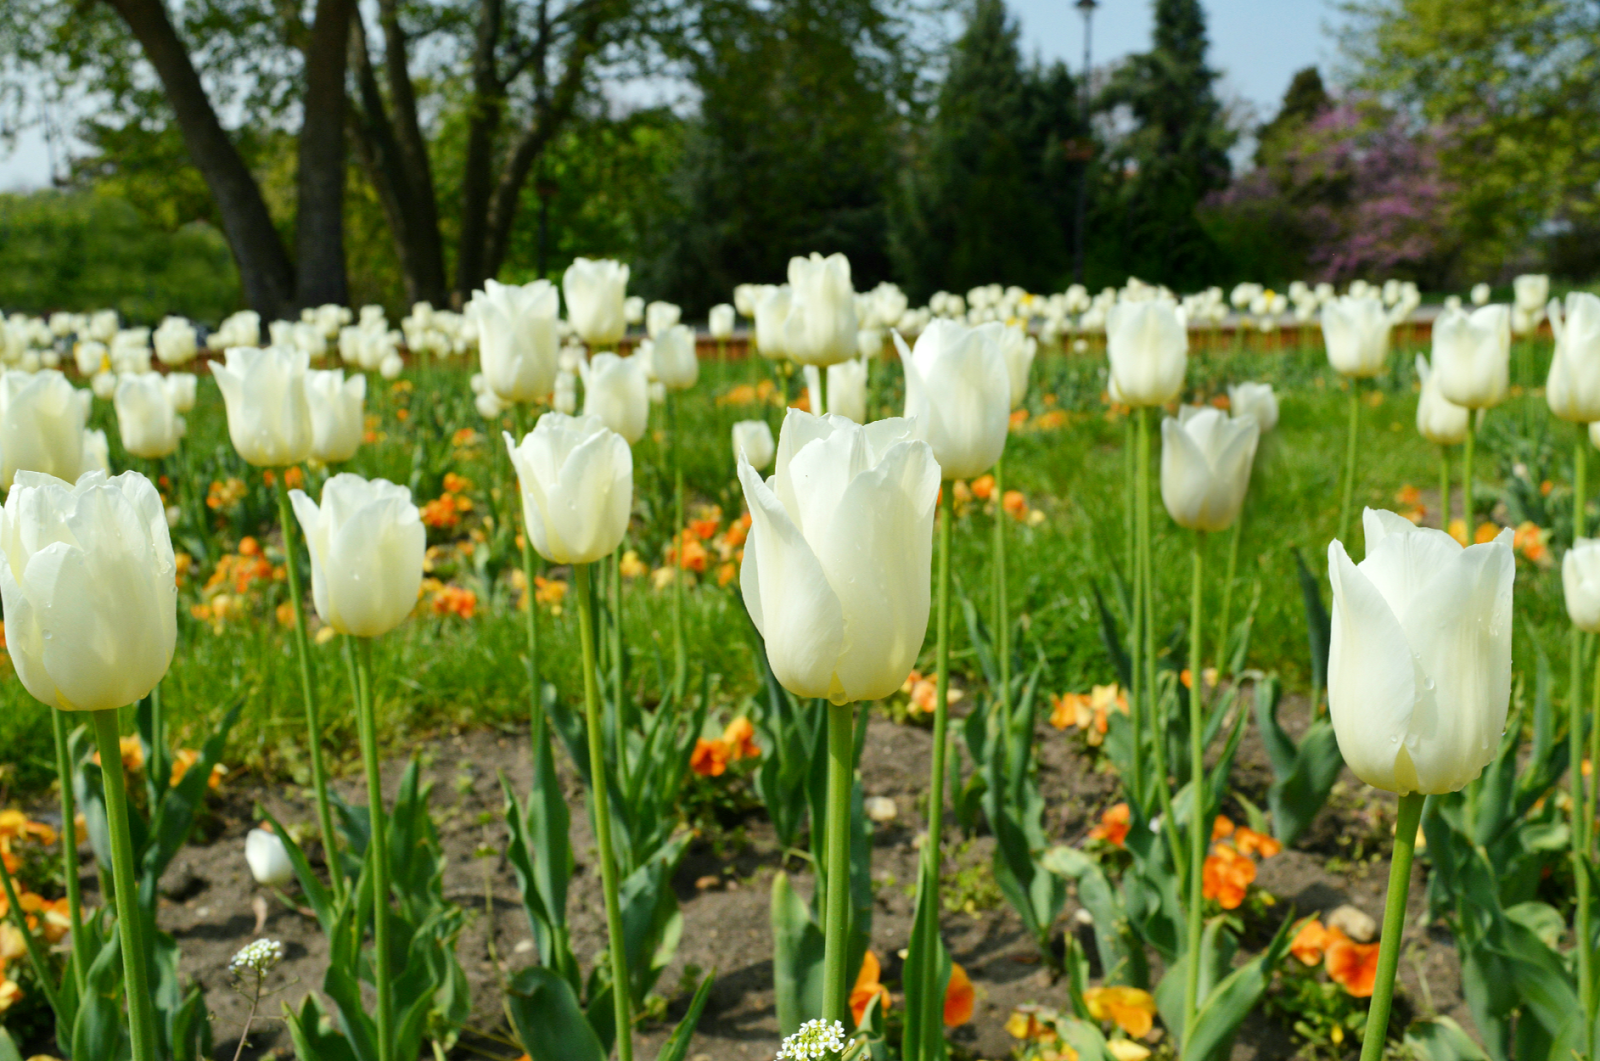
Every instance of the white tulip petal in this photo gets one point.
(1372, 676)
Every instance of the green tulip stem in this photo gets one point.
(69, 850)
(1350, 460)
(1582, 822)
(314, 734)
(836, 921)
(1394, 925)
(680, 654)
(616, 649)
(1227, 589)
(1129, 519)
(941, 713)
(620, 980)
(1199, 827)
(529, 567)
(367, 723)
(1444, 489)
(141, 1012)
(1002, 616)
(36, 955)
(1466, 475)
(1142, 708)
(1584, 926)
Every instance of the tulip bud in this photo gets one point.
(659, 316)
(96, 453)
(337, 423)
(565, 398)
(958, 395)
(595, 291)
(366, 542)
(517, 338)
(672, 356)
(1148, 347)
(1530, 292)
(836, 570)
(616, 389)
(91, 358)
(1439, 420)
(752, 440)
(771, 316)
(88, 584)
(1573, 389)
(42, 419)
(182, 388)
(720, 322)
(1472, 356)
(149, 424)
(869, 344)
(1580, 580)
(264, 390)
(268, 859)
(1255, 400)
(489, 407)
(104, 385)
(633, 309)
(1205, 466)
(744, 300)
(847, 390)
(1355, 329)
(391, 366)
(1019, 349)
(820, 328)
(576, 477)
(1419, 667)
(1480, 294)
(175, 341)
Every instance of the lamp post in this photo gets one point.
(1086, 8)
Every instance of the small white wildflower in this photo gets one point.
(816, 1039)
(258, 958)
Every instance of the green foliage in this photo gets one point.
(84, 250)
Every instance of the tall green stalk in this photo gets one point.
(1582, 823)
(529, 566)
(69, 850)
(616, 645)
(302, 645)
(135, 971)
(1350, 460)
(1585, 926)
(620, 981)
(680, 655)
(1199, 828)
(1444, 489)
(1394, 925)
(1466, 476)
(1002, 615)
(1143, 708)
(836, 915)
(367, 723)
(1223, 632)
(941, 714)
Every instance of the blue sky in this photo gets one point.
(1257, 44)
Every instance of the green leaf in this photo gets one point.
(1441, 1039)
(548, 1020)
(1226, 1007)
(8, 1049)
(98, 1030)
(924, 1022)
(797, 950)
(311, 1041)
(1319, 627)
(676, 1048)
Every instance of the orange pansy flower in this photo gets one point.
(959, 997)
(867, 987)
(1113, 827)
(1131, 1009)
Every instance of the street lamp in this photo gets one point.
(1086, 8)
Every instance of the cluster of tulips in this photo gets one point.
(846, 561)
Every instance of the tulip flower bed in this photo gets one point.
(707, 731)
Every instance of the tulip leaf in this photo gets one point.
(797, 945)
(924, 1021)
(320, 898)
(1442, 1039)
(311, 1042)
(676, 1048)
(1303, 774)
(548, 1020)
(1224, 1007)
(8, 1049)
(1319, 627)
(1122, 959)
(1113, 640)
(1086, 1040)
(98, 1031)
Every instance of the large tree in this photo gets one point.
(991, 197)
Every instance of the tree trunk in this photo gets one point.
(319, 234)
(488, 106)
(417, 170)
(265, 272)
(413, 225)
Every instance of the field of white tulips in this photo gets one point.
(1105, 676)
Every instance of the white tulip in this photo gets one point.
(672, 356)
(1255, 400)
(182, 389)
(836, 570)
(1439, 420)
(1205, 466)
(268, 859)
(565, 398)
(1148, 346)
(1355, 329)
(104, 386)
(659, 316)
(1472, 356)
(1019, 349)
(489, 407)
(958, 395)
(616, 389)
(1419, 668)
(1573, 389)
(366, 542)
(1580, 580)
(744, 299)
(175, 341)
(1530, 292)
(752, 440)
(821, 326)
(594, 292)
(42, 419)
(869, 344)
(88, 582)
(847, 390)
(633, 309)
(720, 323)
(1480, 294)
(264, 390)
(96, 452)
(517, 338)
(337, 422)
(91, 358)
(149, 424)
(576, 477)
(391, 366)
(771, 315)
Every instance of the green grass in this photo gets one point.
(437, 674)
